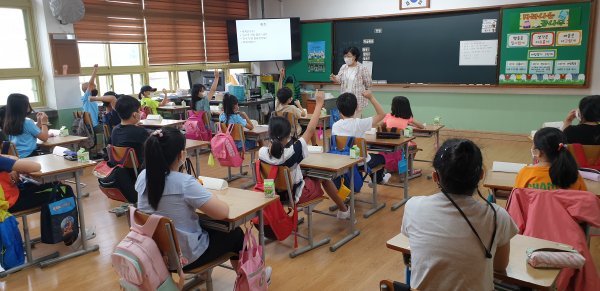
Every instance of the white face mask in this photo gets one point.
(534, 156)
(348, 60)
(578, 115)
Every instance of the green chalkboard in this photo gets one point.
(317, 36)
(545, 45)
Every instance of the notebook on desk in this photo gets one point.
(507, 167)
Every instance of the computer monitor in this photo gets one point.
(206, 78)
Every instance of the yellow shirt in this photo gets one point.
(538, 177)
(153, 105)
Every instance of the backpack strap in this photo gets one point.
(272, 173)
(349, 143)
(333, 143)
(580, 155)
(148, 228)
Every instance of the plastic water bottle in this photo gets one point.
(183, 103)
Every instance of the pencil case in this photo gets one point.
(554, 258)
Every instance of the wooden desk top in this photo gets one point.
(242, 202)
(329, 162)
(506, 181)
(518, 271)
(371, 139)
(429, 128)
(61, 140)
(191, 144)
(164, 122)
(53, 164)
(172, 107)
(309, 116)
(257, 131)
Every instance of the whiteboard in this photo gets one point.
(478, 52)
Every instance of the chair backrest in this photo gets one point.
(8, 148)
(87, 119)
(107, 133)
(116, 153)
(237, 133)
(165, 237)
(591, 152)
(283, 182)
(341, 142)
(290, 117)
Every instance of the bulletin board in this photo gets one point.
(545, 45)
(316, 44)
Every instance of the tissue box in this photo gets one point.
(64, 131)
(155, 117)
(315, 149)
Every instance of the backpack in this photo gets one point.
(195, 128)
(251, 274)
(114, 180)
(59, 219)
(582, 160)
(11, 244)
(79, 128)
(334, 116)
(225, 150)
(145, 112)
(138, 260)
(358, 179)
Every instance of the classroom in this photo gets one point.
(256, 145)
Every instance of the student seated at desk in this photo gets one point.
(21, 130)
(357, 127)
(89, 99)
(147, 102)
(163, 190)
(232, 115)
(201, 100)
(128, 133)
(286, 151)
(555, 168)
(111, 117)
(587, 132)
(22, 196)
(456, 241)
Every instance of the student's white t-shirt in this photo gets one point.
(356, 127)
(445, 253)
(291, 158)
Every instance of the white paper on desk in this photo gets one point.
(507, 167)
(211, 183)
(590, 175)
(372, 131)
(555, 124)
(59, 151)
(315, 149)
(54, 132)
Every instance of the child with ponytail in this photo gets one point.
(163, 190)
(555, 168)
(285, 151)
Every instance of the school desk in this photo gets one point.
(505, 181)
(69, 141)
(243, 206)
(391, 145)
(429, 131)
(518, 271)
(174, 109)
(54, 169)
(258, 133)
(155, 124)
(330, 166)
(323, 122)
(194, 147)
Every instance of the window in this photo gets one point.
(13, 52)
(92, 53)
(183, 81)
(19, 70)
(125, 54)
(127, 84)
(23, 86)
(159, 80)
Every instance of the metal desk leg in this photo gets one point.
(353, 232)
(376, 206)
(84, 248)
(261, 232)
(406, 196)
(437, 140)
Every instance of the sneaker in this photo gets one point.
(343, 215)
(268, 271)
(386, 178)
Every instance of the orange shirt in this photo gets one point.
(538, 177)
(397, 122)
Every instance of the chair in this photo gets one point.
(412, 152)
(291, 118)
(387, 285)
(341, 142)
(166, 239)
(87, 119)
(284, 183)
(8, 148)
(238, 135)
(107, 132)
(127, 158)
(587, 156)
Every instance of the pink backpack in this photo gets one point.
(251, 274)
(224, 149)
(138, 260)
(195, 127)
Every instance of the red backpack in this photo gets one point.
(195, 127)
(225, 150)
(582, 160)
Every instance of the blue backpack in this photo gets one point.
(358, 179)
(334, 116)
(11, 244)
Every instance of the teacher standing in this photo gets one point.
(354, 78)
